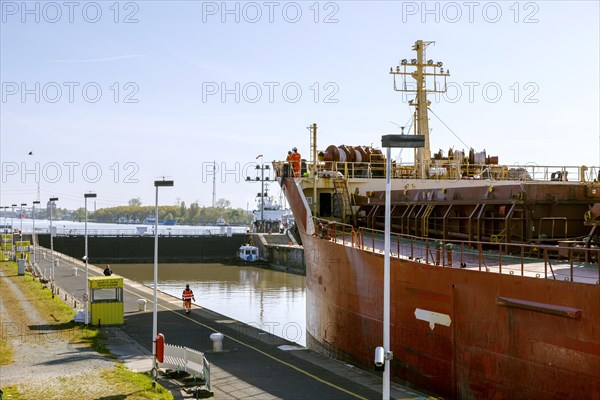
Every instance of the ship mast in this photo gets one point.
(423, 69)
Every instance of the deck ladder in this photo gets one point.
(341, 189)
(425, 220)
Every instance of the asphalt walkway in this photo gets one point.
(253, 363)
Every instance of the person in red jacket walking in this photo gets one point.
(187, 298)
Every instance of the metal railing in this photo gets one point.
(447, 170)
(565, 263)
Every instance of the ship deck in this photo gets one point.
(549, 262)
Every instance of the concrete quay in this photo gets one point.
(253, 364)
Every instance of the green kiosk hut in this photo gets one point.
(106, 300)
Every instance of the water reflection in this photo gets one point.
(271, 300)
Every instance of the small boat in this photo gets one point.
(221, 221)
(248, 252)
(151, 221)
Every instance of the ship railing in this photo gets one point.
(445, 170)
(570, 261)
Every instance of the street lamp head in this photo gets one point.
(53, 198)
(14, 205)
(403, 141)
(89, 195)
(163, 183)
(23, 204)
(35, 202)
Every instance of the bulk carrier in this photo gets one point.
(495, 286)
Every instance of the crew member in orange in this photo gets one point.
(187, 298)
(295, 161)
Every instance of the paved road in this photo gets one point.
(252, 364)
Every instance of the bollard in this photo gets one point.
(217, 339)
(75, 271)
(141, 304)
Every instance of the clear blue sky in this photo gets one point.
(162, 68)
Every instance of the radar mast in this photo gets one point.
(422, 70)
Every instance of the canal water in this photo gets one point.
(270, 300)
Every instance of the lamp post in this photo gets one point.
(5, 208)
(5, 231)
(21, 229)
(85, 257)
(262, 168)
(52, 200)
(389, 141)
(33, 258)
(12, 230)
(157, 184)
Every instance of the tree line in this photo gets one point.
(195, 214)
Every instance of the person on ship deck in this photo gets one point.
(295, 159)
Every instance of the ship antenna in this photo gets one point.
(423, 69)
(454, 133)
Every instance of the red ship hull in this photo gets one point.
(509, 336)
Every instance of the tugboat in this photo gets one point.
(249, 252)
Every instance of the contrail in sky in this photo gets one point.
(94, 60)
